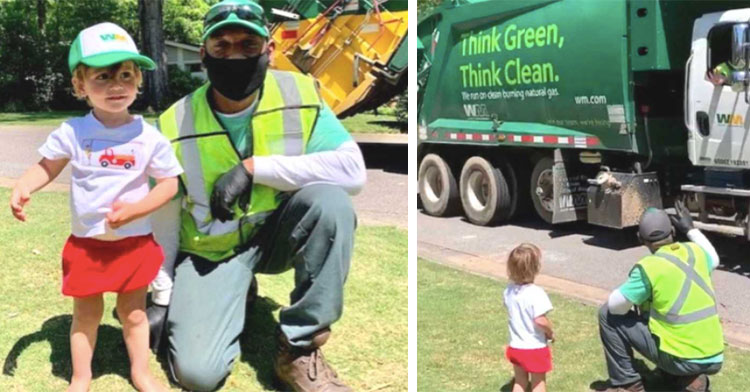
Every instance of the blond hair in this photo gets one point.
(524, 263)
(82, 70)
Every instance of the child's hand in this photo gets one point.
(18, 199)
(550, 336)
(122, 213)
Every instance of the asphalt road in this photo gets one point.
(585, 254)
(383, 201)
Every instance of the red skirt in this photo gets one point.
(538, 360)
(92, 266)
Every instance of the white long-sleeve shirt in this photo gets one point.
(617, 302)
(344, 167)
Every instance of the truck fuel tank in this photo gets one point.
(617, 200)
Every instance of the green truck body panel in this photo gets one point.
(610, 71)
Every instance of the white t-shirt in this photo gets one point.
(525, 303)
(109, 164)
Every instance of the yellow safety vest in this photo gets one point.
(683, 306)
(282, 124)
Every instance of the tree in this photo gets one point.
(150, 14)
(183, 20)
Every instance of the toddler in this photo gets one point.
(529, 326)
(112, 155)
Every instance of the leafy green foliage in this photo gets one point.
(34, 52)
(34, 49)
(181, 83)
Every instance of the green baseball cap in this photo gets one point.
(105, 44)
(245, 13)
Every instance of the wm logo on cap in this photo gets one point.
(110, 37)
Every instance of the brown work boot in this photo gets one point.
(305, 369)
(634, 387)
(699, 383)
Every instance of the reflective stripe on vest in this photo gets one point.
(281, 125)
(683, 311)
(673, 316)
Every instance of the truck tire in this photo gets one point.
(485, 194)
(438, 189)
(541, 188)
(104, 163)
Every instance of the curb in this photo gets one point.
(734, 333)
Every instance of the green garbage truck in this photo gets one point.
(585, 110)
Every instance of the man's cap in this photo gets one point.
(243, 13)
(105, 44)
(655, 225)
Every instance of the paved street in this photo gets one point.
(382, 201)
(582, 253)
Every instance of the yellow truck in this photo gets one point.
(356, 49)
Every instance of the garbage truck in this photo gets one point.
(585, 110)
(356, 49)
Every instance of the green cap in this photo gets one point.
(103, 45)
(244, 13)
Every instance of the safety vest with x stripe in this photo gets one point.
(282, 124)
(683, 305)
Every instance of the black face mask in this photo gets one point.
(236, 79)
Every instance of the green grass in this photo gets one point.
(463, 330)
(368, 346)
(370, 123)
(360, 123)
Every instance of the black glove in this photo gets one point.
(157, 317)
(682, 221)
(227, 189)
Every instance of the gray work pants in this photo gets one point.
(621, 334)
(312, 232)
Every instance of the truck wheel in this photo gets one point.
(127, 165)
(484, 192)
(542, 187)
(104, 163)
(438, 190)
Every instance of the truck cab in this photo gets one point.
(716, 117)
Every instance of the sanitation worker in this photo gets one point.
(720, 74)
(675, 324)
(267, 170)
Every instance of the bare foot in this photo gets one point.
(145, 382)
(79, 385)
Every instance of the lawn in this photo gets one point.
(368, 345)
(360, 123)
(463, 329)
(370, 123)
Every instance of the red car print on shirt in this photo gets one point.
(110, 158)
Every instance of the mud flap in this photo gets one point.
(569, 190)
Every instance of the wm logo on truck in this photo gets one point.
(730, 119)
(476, 110)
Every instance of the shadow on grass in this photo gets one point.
(402, 126)
(653, 380)
(110, 356)
(258, 340)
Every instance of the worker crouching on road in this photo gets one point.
(267, 170)
(675, 324)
